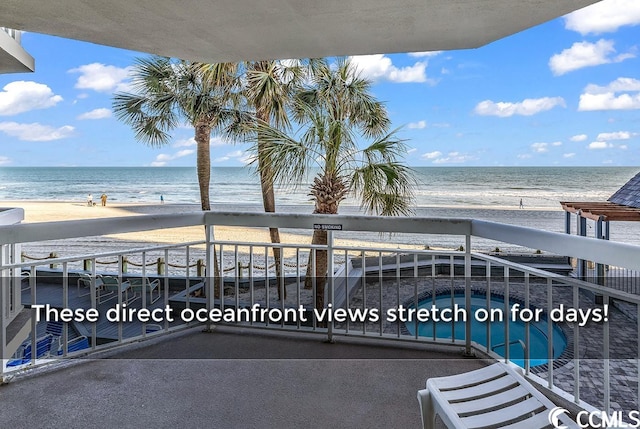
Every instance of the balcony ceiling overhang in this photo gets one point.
(235, 30)
(13, 58)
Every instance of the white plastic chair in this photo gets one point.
(494, 396)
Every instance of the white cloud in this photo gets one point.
(217, 141)
(235, 154)
(597, 97)
(5, 160)
(605, 16)
(432, 155)
(540, 147)
(163, 158)
(618, 135)
(454, 158)
(380, 67)
(578, 138)
(184, 152)
(35, 132)
(556, 144)
(101, 113)
(417, 125)
(585, 54)
(569, 155)
(185, 142)
(102, 78)
(599, 145)
(523, 156)
(623, 147)
(22, 96)
(619, 85)
(424, 54)
(527, 107)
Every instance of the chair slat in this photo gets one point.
(504, 415)
(518, 393)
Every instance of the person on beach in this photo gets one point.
(103, 198)
(521, 205)
(161, 199)
(90, 200)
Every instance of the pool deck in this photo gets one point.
(234, 378)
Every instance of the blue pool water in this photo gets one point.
(537, 330)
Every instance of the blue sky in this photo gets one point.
(566, 92)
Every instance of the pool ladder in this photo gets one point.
(524, 347)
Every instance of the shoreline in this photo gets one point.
(53, 210)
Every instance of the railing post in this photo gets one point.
(160, 266)
(125, 264)
(210, 278)
(600, 279)
(86, 264)
(3, 315)
(65, 304)
(467, 295)
(200, 268)
(94, 304)
(52, 255)
(582, 264)
(330, 273)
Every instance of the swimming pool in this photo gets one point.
(538, 343)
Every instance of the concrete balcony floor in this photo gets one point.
(234, 378)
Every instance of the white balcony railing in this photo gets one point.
(578, 360)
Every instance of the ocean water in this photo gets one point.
(541, 187)
(489, 193)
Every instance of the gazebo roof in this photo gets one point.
(623, 205)
(629, 194)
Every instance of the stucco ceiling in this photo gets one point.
(233, 30)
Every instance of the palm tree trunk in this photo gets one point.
(321, 263)
(203, 167)
(327, 191)
(203, 162)
(269, 202)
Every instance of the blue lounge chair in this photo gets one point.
(23, 355)
(152, 327)
(74, 345)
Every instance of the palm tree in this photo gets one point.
(167, 92)
(336, 110)
(268, 87)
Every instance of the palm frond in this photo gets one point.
(150, 121)
(285, 159)
(384, 188)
